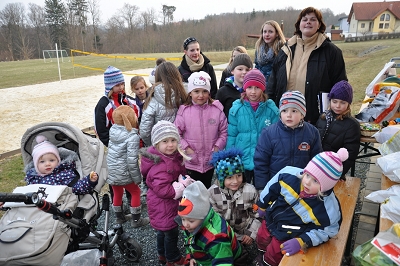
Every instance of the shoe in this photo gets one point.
(181, 262)
(143, 190)
(120, 217)
(259, 261)
(162, 260)
(141, 222)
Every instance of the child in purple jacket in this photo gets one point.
(202, 126)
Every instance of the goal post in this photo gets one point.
(49, 55)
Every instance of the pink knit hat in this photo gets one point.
(254, 78)
(327, 167)
(42, 147)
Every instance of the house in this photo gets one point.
(343, 25)
(374, 18)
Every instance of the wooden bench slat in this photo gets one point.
(331, 252)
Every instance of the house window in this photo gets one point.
(387, 17)
(386, 25)
(362, 25)
(381, 25)
(382, 18)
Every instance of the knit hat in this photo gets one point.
(124, 115)
(162, 130)
(195, 202)
(342, 90)
(241, 59)
(327, 167)
(42, 147)
(293, 99)
(187, 41)
(152, 76)
(112, 77)
(199, 80)
(254, 78)
(227, 163)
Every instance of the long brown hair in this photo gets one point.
(303, 13)
(278, 42)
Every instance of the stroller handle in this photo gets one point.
(18, 197)
(51, 208)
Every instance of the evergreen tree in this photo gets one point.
(56, 21)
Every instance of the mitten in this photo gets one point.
(261, 212)
(178, 187)
(185, 180)
(291, 246)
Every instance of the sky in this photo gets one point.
(186, 9)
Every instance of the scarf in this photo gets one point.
(231, 80)
(305, 195)
(329, 118)
(193, 66)
(253, 105)
(263, 57)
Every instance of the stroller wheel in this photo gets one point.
(129, 247)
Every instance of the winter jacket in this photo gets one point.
(225, 74)
(279, 146)
(227, 95)
(160, 171)
(325, 68)
(156, 111)
(236, 207)
(63, 174)
(245, 126)
(207, 67)
(122, 156)
(103, 114)
(265, 69)
(313, 220)
(140, 105)
(213, 243)
(344, 133)
(201, 127)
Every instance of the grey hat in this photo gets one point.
(162, 130)
(241, 59)
(195, 202)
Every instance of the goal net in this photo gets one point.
(50, 55)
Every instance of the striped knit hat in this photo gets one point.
(162, 130)
(327, 167)
(293, 99)
(254, 78)
(112, 77)
(227, 163)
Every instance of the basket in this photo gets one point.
(368, 133)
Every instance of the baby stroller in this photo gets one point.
(66, 223)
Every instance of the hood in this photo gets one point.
(149, 156)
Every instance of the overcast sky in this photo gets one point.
(186, 9)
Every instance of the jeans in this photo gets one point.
(167, 244)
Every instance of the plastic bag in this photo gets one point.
(390, 209)
(386, 133)
(388, 164)
(82, 257)
(390, 146)
(380, 196)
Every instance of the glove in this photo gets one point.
(178, 187)
(261, 212)
(291, 246)
(185, 180)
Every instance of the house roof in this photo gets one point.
(369, 11)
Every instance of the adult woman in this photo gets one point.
(227, 71)
(309, 62)
(194, 61)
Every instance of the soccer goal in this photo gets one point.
(50, 55)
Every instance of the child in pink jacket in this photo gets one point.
(202, 126)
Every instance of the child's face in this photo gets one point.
(191, 224)
(254, 93)
(47, 162)
(193, 51)
(238, 74)
(168, 146)
(119, 88)
(269, 34)
(235, 53)
(140, 90)
(338, 106)
(291, 117)
(233, 182)
(199, 96)
(310, 184)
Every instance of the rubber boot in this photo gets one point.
(137, 221)
(120, 217)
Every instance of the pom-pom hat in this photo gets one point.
(162, 130)
(293, 99)
(199, 80)
(42, 147)
(342, 90)
(227, 163)
(241, 59)
(327, 167)
(195, 202)
(124, 115)
(254, 78)
(112, 76)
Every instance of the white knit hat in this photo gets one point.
(199, 80)
(195, 202)
(162, 130)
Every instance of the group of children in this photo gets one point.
(275, 172)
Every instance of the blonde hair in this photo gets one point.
(345, 114)
(239, 49)
(278, 42)
(135, 80)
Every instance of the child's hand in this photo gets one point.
(178, 187)
(216, 149)
(189, 151)
(246, 240)
(193, 262)
(185, 180)
(261, 212)
(291, 246)
(93, 176)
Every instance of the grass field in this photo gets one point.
(363, 62)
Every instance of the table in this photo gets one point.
(367, 144)
(385, 224)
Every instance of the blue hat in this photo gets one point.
(227, 163)
(112, 77)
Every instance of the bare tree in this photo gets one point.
(94, 11)
(37, 20)
(148, 18)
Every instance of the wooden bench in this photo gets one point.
(385, 224)
(331, 252)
